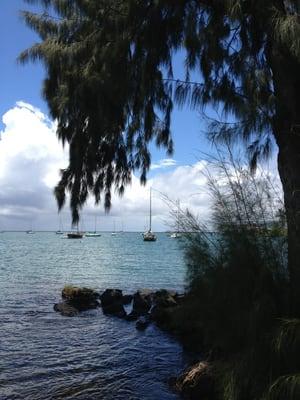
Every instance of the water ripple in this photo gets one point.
(91, 356)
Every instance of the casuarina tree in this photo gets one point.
(110, 85)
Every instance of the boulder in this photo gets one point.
(127, 298)
(165, 298)
(80, 298)
(143, 322)
(142, 302)
(197, 382)
(112, 302)
(65, 309)
(133, 316)
(110, 296)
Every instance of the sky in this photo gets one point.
(31, 156)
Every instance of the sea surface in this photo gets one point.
(44, 355)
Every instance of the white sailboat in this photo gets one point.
(60, 230)
(177, 234)
(114, 233)
(30, 231)
(93, 234)
(149, 236)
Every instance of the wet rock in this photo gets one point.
(80, 298)
(142, 302)
(197, 382)
(143, 322)
(112, 302)
(127, 298)
(165, 298)
(133, 316)
(110, 296)
(65, 309)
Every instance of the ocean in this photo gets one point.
(44, 355)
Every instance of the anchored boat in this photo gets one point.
(149, 236)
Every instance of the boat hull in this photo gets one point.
(149, 237)
(75, 235)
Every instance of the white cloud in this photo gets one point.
(30, 157)
(29, 154)
(164, 163)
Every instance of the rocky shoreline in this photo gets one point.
(166, 309)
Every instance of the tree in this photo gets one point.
(111, 86)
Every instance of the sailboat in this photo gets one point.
(60, 231)
(177, 234)
(149, 236)
(30, 231)
(114, 233)
(75, 234)
(93, 234)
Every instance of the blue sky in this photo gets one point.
(19, 82)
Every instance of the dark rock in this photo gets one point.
(112, 302)
(158, 314)
(65, 309)
(133, 316)
(142, 323)
(110, 296)
(165, 298)
(116, 309)
(142, 301)
(127, 299)
(197, 382)
(180, 298)
(80, 298)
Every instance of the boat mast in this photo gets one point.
(150, 211)
(178, 205)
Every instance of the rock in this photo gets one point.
(80, 298)
(65, 309)
(158, 314)
(127, 298)
(110, 296)
(142, 323)
(180, 298)
(165, 298)
(133, 316)
(142, 302)
(112, 302)
(197, 382)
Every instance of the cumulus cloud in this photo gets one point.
(31, 156)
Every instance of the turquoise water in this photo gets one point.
(44, 355)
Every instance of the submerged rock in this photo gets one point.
(112, 302)
(143, 322)
(197, 382)
(80, 298)
(65, 309)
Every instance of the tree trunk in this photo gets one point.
(289, 171)
(286, 128)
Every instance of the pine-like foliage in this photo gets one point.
(237, 306)
(111, 87)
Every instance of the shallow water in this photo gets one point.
(44, 355)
